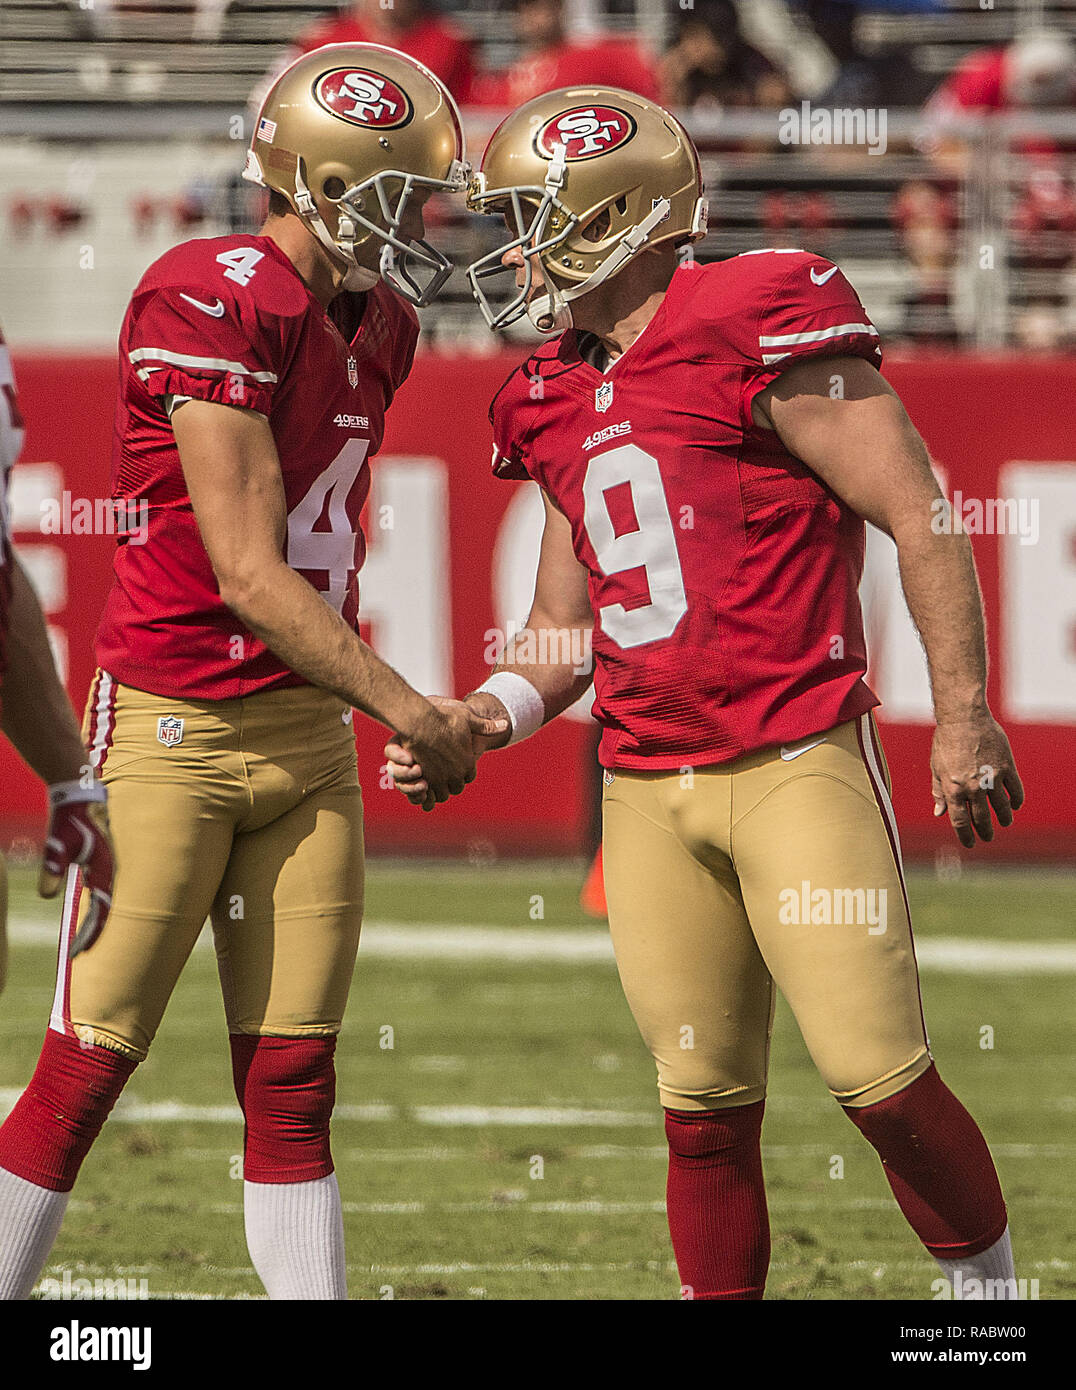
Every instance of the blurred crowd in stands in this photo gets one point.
(709, 63)
(959, 178)
(709, 66)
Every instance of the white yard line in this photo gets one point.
(879, 1268)
(517, 1204)
(132, 1110)
(451, 942)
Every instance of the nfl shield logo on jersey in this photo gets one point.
(603, 397)
(352, 373)
(169, 730)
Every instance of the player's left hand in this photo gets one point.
(79, 834)
(406, 774)
(972, 770)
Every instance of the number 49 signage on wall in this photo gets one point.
(452, 554)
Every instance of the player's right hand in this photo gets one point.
(79, 834)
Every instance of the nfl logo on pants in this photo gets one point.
(169, 730)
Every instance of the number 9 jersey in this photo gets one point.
(723, 572)
(228, 319)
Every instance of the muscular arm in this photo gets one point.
(560, 623)
(862, 444)
(233, 476)
(37, 715)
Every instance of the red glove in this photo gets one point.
(79, 834)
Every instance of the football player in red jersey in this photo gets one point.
(709, 442)
(256, 372)
(36, 715)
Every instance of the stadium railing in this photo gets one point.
(965, 237)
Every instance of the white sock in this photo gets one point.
(995, 1263)
(30, 1220)
(295, 1235)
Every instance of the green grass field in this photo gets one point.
(509, 1144)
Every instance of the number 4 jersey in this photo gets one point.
(229, 319)
(723, 572)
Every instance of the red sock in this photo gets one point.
(938, 1166)
(60, 1114)
(286, 1087)
(716, 1201)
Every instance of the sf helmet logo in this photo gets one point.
(362, 97)
(586, 131)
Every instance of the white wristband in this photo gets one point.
(60, 793)
(526, 708)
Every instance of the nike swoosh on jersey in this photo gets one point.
(215, 311)
(818, 279)
(787, 754)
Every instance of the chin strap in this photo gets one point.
(554, 178)
(391, 270)
(304, 202)
(547, 312)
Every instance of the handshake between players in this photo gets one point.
(408, 771)
(959, 783)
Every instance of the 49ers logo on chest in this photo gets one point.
(585, 131)
(364, 98)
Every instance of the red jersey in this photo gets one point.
(723, 573)
(597, 63)
(10, 447)
(229, 319)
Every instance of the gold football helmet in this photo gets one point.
(585, 177)
(346, 134)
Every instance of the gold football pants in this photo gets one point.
(780, 870)
(245, 811)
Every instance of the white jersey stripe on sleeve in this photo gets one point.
(179, 359)
(791, 340)
(795, 339)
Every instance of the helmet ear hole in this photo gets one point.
(598, 229)
(621, 205)
(333, 188)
